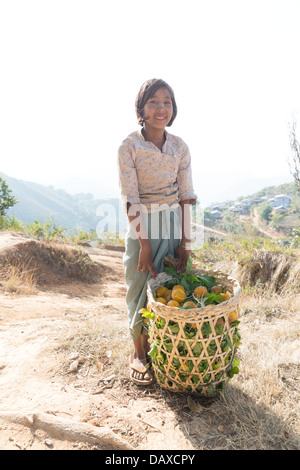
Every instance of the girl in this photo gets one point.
(157, 191)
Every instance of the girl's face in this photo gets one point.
(158, 109)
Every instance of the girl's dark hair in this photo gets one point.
(147, 90)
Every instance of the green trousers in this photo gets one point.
(164, 233)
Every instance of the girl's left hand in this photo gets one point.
(182, 254)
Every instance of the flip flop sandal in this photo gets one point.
(141, 370)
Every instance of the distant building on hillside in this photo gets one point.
(260, 199)
(280, 200)
(239, 207)
(280, 210)
(216, 214)
(247, 202)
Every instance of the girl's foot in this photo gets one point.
(140, 370)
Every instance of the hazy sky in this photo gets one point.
(70, 72)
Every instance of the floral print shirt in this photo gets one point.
(156, 179)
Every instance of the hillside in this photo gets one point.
(82, 211)
(64, 363)
(261, 213)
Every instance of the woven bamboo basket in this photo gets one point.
(198, 364)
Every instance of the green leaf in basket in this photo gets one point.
(219, 329)
(189, 281)
(172, 271)
(207, 281)
(153, 351)
(174, 327)
(182, 377)
(189, 365)
(182, 348)
(217, 364)
(213, 298)
(211, 348)
(207, 378)
(171, 283)
(189, 264)
(176, 363)
(203, 365)
(206, 329)
(197, 349)
(185, 284)
(189, 330)
(195, 379)
(233, 369)
(162, 358)
(160, 323)
(145, 313)
(235, 362)
(167, 344)
(236, 338)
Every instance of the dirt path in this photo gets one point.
(204, 227)
(255, 222)
(35, 367)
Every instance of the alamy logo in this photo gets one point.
(160, 222)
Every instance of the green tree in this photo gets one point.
(265, 211)
(7, 199)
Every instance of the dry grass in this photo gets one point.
(43, 263)
(18, 279)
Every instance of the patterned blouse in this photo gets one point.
(152, 177)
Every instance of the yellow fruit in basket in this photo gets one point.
(173, 303)
(220, 321)
(162, 300)
(232, 316)
(226, 296)
(178, 286)
(161, 291)
(216, 289)
(168, 295)
(200, 291)
(178, 295)
(189, 303)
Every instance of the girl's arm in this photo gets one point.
(145, 257)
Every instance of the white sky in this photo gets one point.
(70, 72)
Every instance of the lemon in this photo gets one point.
(200, 291)
(178, 295)
(190, 304)
(226, 296)
(161, 291)
(232, 316)
(216, 289)
(173, 303)
(162, 300)
(178, 286)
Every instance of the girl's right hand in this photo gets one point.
(145, 259)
